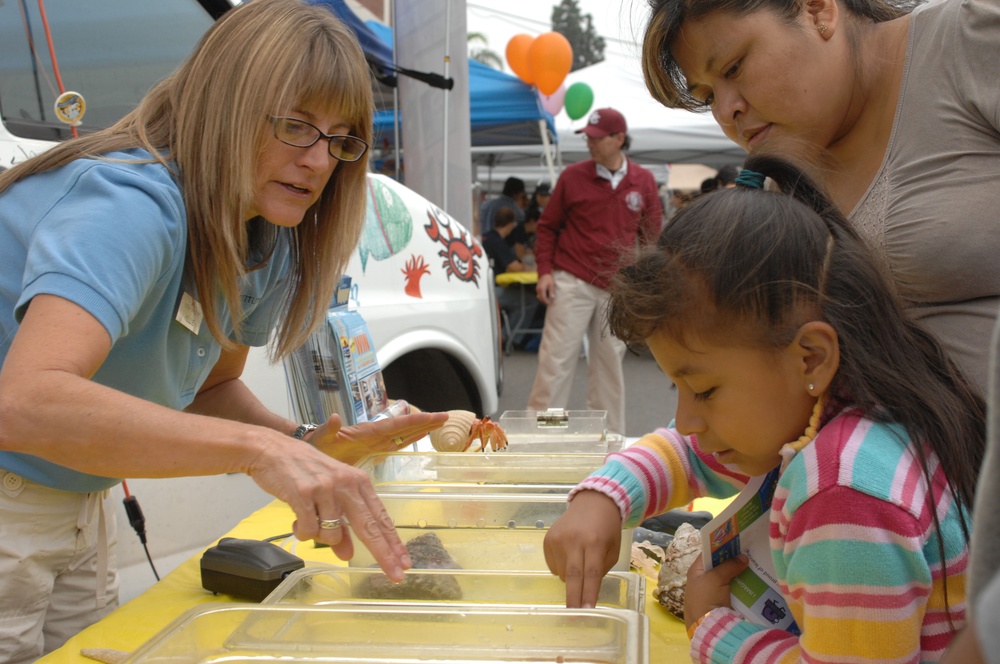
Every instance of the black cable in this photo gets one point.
(150, 559)
(279, 537)
(138, 523)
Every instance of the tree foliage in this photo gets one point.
(479, 50)
(578, 29)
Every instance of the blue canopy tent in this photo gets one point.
(377, 50)
(503, 110)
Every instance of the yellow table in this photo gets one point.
(526, 278)
(522, 281)
(133, 624)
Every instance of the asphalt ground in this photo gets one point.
(649, 401)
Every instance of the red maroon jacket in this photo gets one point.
(586, 223)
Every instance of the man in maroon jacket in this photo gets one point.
(599, 208)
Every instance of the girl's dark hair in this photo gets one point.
(753, 265)
(664, 78)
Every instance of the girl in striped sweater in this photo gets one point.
(772, 319)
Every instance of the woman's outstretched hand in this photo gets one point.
(352, 443)
(333, 501)
(583, 544)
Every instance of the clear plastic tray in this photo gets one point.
(558, 431)
(374, 634)
(394, 471)
(328, 584)
(489, 531)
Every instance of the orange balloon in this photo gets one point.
(517, 57)
(550, 58)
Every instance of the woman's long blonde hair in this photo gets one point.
(209, 123)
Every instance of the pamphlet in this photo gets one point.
(337, 370)
(743, 527)
(366, 398)
(314, 373)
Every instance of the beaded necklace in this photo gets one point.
(789, 450)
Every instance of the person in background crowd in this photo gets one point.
(513, 196)
(502, 256)
(539, 199)
(504, 259)
(523, 236)
(708, 185)
(140, 262)
(599, 208)
(676, 201)
(727, 175)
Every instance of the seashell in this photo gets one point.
(678, 557)
(106, 655)
(453, 436)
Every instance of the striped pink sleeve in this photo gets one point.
(661, 471)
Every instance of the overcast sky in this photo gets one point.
(619, 22)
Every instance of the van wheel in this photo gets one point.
(433, 381)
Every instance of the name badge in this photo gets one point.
(189, 313)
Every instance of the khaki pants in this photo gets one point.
(58, 573)
(578, 310)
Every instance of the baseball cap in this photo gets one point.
(602, 122)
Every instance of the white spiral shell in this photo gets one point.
(453, 436)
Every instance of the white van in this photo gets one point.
(421, 280)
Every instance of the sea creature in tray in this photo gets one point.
(465, 432)
(427, 553)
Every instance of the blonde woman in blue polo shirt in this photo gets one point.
(137, 265)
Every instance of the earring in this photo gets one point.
(822, 29)
(811, 388)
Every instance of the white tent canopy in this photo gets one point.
(660, 135)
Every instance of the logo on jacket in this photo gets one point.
(633, 200)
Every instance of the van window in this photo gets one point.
(110, 51)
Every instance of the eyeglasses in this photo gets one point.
(301, 134)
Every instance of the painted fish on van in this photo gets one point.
(388, 224)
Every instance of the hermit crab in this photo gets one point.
(463, 429)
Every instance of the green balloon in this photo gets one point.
(578, 100)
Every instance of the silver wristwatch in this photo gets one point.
(303, 429)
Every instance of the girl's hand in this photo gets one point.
(709, 589)
(352, 443)
(583, 544)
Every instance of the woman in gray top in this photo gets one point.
(900, 112)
